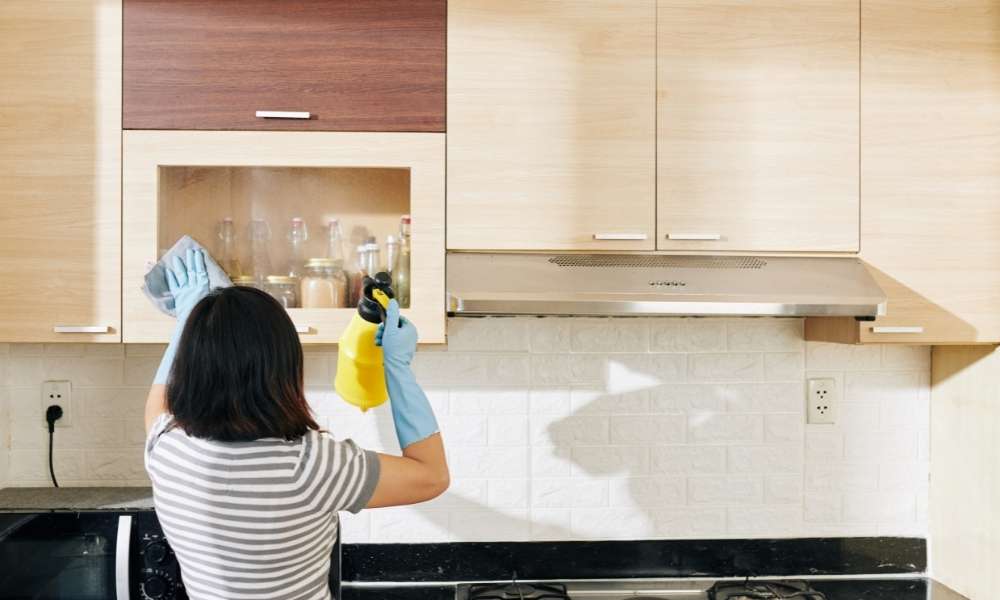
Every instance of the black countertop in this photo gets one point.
(43, 499)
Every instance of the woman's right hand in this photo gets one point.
(397, 337)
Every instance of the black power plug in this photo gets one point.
(52, 414)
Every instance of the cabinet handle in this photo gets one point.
(303, 329)
(914, 329)
(694, 236)
(621, 237)
(282, 114)
(81, 329)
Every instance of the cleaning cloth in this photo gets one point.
(155, 282)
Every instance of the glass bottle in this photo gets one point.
(297, 236)
(259, 233)
(324, 284)
(357, 274)
(335, 242)
(373, 258)
(225, 248)
(283, 289)
(391, 255)
(401, 277)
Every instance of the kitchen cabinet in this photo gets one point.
(60, 150)
(757, 125)
(190, 182)
(377, 65)
(930, 172)
(551, 124)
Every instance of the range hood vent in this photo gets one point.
(658, 284)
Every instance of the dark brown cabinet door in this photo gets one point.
(353, 65)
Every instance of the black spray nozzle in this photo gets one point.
(368, 307)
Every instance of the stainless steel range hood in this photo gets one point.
(654, 284)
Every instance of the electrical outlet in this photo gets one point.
(61, 393)
(822, 401)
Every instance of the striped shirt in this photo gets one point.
(255, 520)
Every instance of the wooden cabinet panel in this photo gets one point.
(930, 220)
(375, 65)
(757, 119)
(197, 168)
(551, 124)
(60, 150)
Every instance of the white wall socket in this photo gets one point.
(822, 401)
(61, 393)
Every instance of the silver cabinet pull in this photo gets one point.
(122, 551)
(694, 236)
(887, 329)
(303, 329)
(81, 329)
(282, 114)
(621, 237)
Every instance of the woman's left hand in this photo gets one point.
(187, 280)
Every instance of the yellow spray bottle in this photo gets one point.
(360, 378)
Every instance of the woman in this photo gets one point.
(246, 486)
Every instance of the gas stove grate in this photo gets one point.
(518, 591)
(764, 590)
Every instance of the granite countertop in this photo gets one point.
(75, 499)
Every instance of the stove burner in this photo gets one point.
(763, 590)
(518, 591)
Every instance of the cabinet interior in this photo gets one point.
(193, 200)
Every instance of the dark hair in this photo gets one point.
(237, 375)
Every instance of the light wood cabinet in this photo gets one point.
(60, 150)
(551, 124)
(757, 125)
(930, 188)
(188, 182)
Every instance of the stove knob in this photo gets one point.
(155, 588)
(156, 554)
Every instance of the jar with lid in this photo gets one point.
(324, 284)
(284, 289)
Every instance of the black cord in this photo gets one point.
(52, 414)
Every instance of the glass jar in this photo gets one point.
(324, 284)
(283, 289)
(246, 281)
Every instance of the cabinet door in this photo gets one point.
(930, 171)
(551, 124)
(60, 150)
(193, 182)
(371, 65)
(757, 142)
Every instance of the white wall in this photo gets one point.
(578, 429)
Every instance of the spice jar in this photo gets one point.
(283, 289)
(324, 284)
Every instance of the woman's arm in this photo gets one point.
(188, 282)
(422, 472)
(419, 475)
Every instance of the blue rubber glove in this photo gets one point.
(411, 411)
(187, 280)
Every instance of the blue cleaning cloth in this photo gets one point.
(155, 281)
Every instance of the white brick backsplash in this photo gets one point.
(725, 428)
(689, 460)
(568, 428)
(765, 459)
(725, 490)
(609, 335)
(767, 335)
(687, 335)
(754, 521)
(726, 367)
(610, 460)
(490, 334)
(569, 493)
(648, 491)
(647, 430)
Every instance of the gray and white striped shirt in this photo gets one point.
(255, 520)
